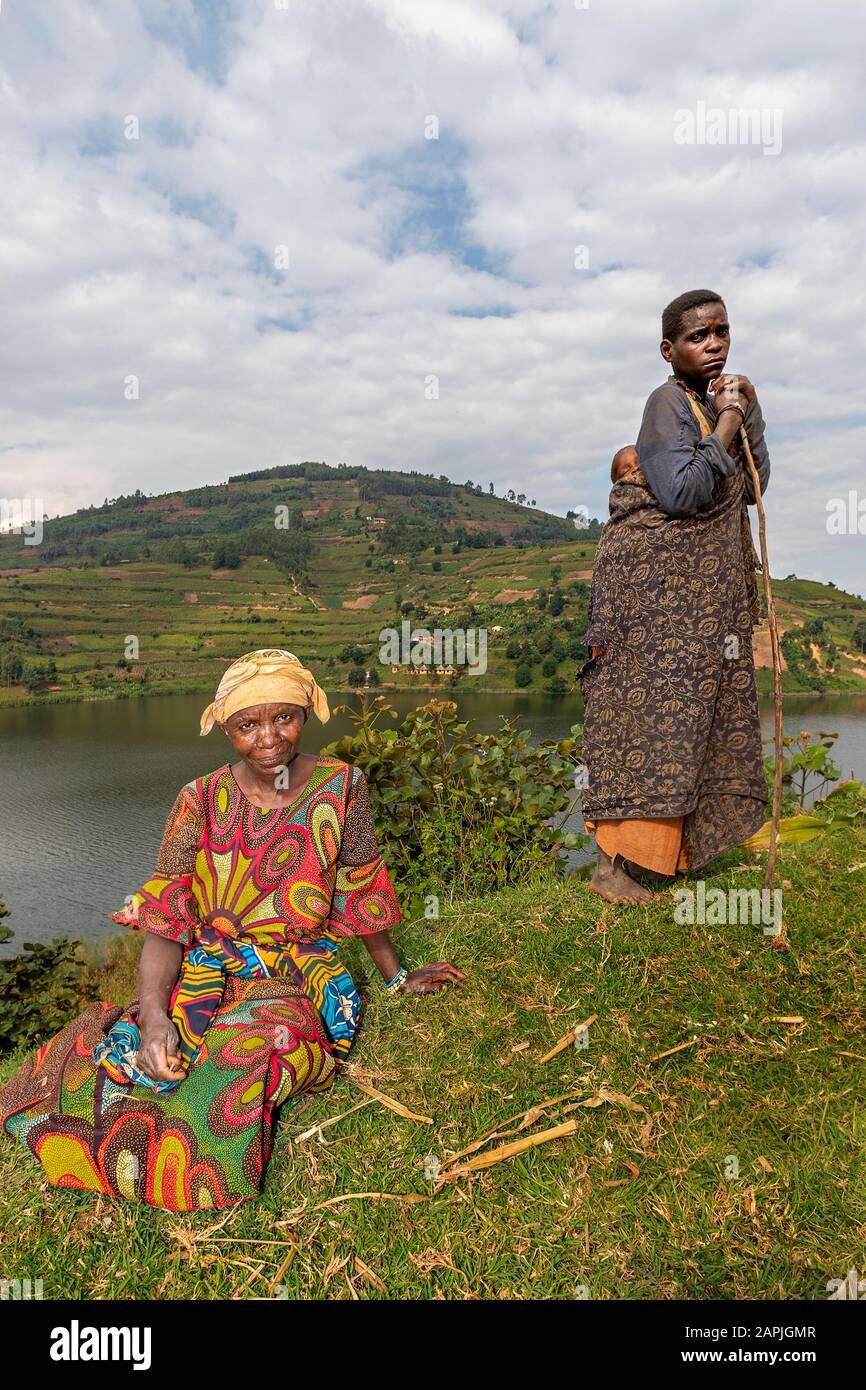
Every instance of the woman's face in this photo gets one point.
(700, 350)
(267, 736)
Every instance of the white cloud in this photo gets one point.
(261, 127)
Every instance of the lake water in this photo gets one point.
(86, 788)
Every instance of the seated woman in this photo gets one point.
(242, 1003)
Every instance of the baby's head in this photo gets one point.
(625, 462)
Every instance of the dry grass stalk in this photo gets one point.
(502, 1130)
(453, 1169)
(323, 1124)
(517, 1146)
(671, 1050)
(388, 1101)
(569, 1038)
(278, 1277)
(367, 1273)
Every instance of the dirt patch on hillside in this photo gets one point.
(503, 527)
(762, 649)
(365, 601)
(514, 595)
(173, 504)
(858, 668)
(190, 598)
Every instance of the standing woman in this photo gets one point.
(672, 735)
(242, 1002)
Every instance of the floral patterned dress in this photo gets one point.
(257, 898)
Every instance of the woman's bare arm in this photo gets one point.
(427, 979)
(157, 975)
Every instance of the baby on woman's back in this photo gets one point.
(625, 463)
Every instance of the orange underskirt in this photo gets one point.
(655, 844)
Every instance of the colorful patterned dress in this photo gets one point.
(264, 1010)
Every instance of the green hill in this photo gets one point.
(156, 594)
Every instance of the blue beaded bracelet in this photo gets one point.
(398, 978)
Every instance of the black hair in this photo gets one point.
(673, 315)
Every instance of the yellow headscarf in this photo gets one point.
(269, 676)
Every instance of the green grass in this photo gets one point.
(633, 1205)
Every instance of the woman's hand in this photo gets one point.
(159, 1048)
(747, 390)
(430, 979)
(729, 389)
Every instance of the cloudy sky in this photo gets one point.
(285, 256)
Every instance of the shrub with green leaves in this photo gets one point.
(460, 811)
(807, 767)
(41, 989)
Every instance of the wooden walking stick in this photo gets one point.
(777, 662)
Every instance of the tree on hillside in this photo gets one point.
(226, 556)
(37, 674)
(176, 552)
(858, 636)
(11, 667)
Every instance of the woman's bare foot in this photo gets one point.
(612, 883)
(648, 877)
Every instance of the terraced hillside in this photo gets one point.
(156, 594)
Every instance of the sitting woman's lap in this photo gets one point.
(203, 1145)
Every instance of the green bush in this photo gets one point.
(805, 756)
(459, 811)
(41, 990)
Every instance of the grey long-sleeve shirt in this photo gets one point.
(682, 468)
